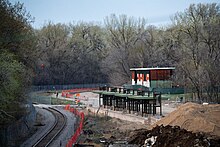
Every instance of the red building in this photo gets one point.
(157, 77)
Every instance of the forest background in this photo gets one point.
(86, 53)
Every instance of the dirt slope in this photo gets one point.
(195, 117)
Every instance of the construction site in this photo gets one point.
(110, 73)
(142, 114)
(148, 112)
(184, 124)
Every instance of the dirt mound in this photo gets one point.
(171, 136)
(195, 117)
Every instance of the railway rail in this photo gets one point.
(54, 131)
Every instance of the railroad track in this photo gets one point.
(58, 126)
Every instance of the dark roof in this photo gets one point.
(153, 68)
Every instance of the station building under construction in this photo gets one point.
(157, 77)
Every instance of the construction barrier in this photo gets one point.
(70, 93)
(74, 138)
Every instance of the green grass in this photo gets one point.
(56, 101)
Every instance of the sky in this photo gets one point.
(157, 12)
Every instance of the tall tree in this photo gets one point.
(16, 46)
(122, 35)
(52, 51)
(70, 54)
(88, 47)
(150, 47)
(195, 41)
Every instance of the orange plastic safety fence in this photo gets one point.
(74, 138)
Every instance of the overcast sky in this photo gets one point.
(157, 12)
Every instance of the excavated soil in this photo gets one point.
(189, 125)
(196, 118)
(171, 136)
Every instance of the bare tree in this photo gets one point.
(122, 36)
(194, 45)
